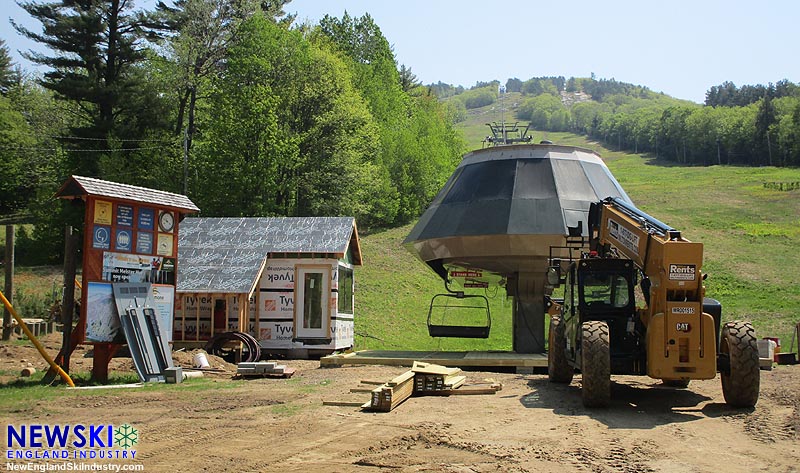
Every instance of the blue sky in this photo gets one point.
(678, 47)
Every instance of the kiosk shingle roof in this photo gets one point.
(78, 186)
(227, 255)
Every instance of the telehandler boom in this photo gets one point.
(672, 334)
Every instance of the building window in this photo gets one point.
(345, 290)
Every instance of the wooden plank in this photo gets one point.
(469, 391)
(430, 368)
(400, 379)
(454, 382)
(462, 392)
(360, 390)
(460, 359)
(371, 381)
(343, 403)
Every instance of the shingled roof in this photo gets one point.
(79, 186)
(228, 255)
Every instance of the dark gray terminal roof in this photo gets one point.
(507, 205)
(79, 186)
(227, 255)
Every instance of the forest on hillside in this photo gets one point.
(249, 113)
(752, 125)
(229, 102)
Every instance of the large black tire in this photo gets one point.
(742, 381)
(558, 368)
(595, 364)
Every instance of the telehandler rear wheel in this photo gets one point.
(595, 364)
(558, 368)
(741, 381)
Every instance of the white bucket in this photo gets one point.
(200, 360)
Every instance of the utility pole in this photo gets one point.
(8, 290)
(769, 148)
(186, 161)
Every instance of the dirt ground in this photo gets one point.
(225, 425)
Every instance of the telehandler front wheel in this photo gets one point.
(742, 378)
(558, 368)
(595, 364)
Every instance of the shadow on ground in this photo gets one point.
(634, 405)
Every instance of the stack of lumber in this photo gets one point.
(423, 379)
(429, 378)
(391, 394)
(263, 368)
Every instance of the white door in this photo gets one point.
(312, 289)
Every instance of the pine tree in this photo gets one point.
(8, 76)
(97, 45)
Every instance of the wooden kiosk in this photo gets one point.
(130, 234)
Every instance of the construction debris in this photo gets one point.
(253, 369)
(423, 379)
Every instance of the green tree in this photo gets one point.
(787, 130)
(416, 172)
(514, 85)
(765, 119)
(98, 43)
(408, 80)
(15, 137)
(290, 135)
(200, 32)
(540, 109)
(8, 76)
(479, 96)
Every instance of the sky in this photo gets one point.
(680, 47)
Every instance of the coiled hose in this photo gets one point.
(216, 346)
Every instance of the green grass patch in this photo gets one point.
(29, 394)
(393, 294)
(285, 410)
(36, 290)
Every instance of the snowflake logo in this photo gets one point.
(126, 436)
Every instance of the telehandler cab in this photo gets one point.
(674, 335)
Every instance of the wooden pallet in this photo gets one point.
(287, 373)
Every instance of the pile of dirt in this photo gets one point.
(185, 359)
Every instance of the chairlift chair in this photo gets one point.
(459, 331)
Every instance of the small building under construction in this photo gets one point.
(289, 282)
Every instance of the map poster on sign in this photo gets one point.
(101, 237)
(102, 321)
(124, 215)
(102, 212)
(121, 267)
